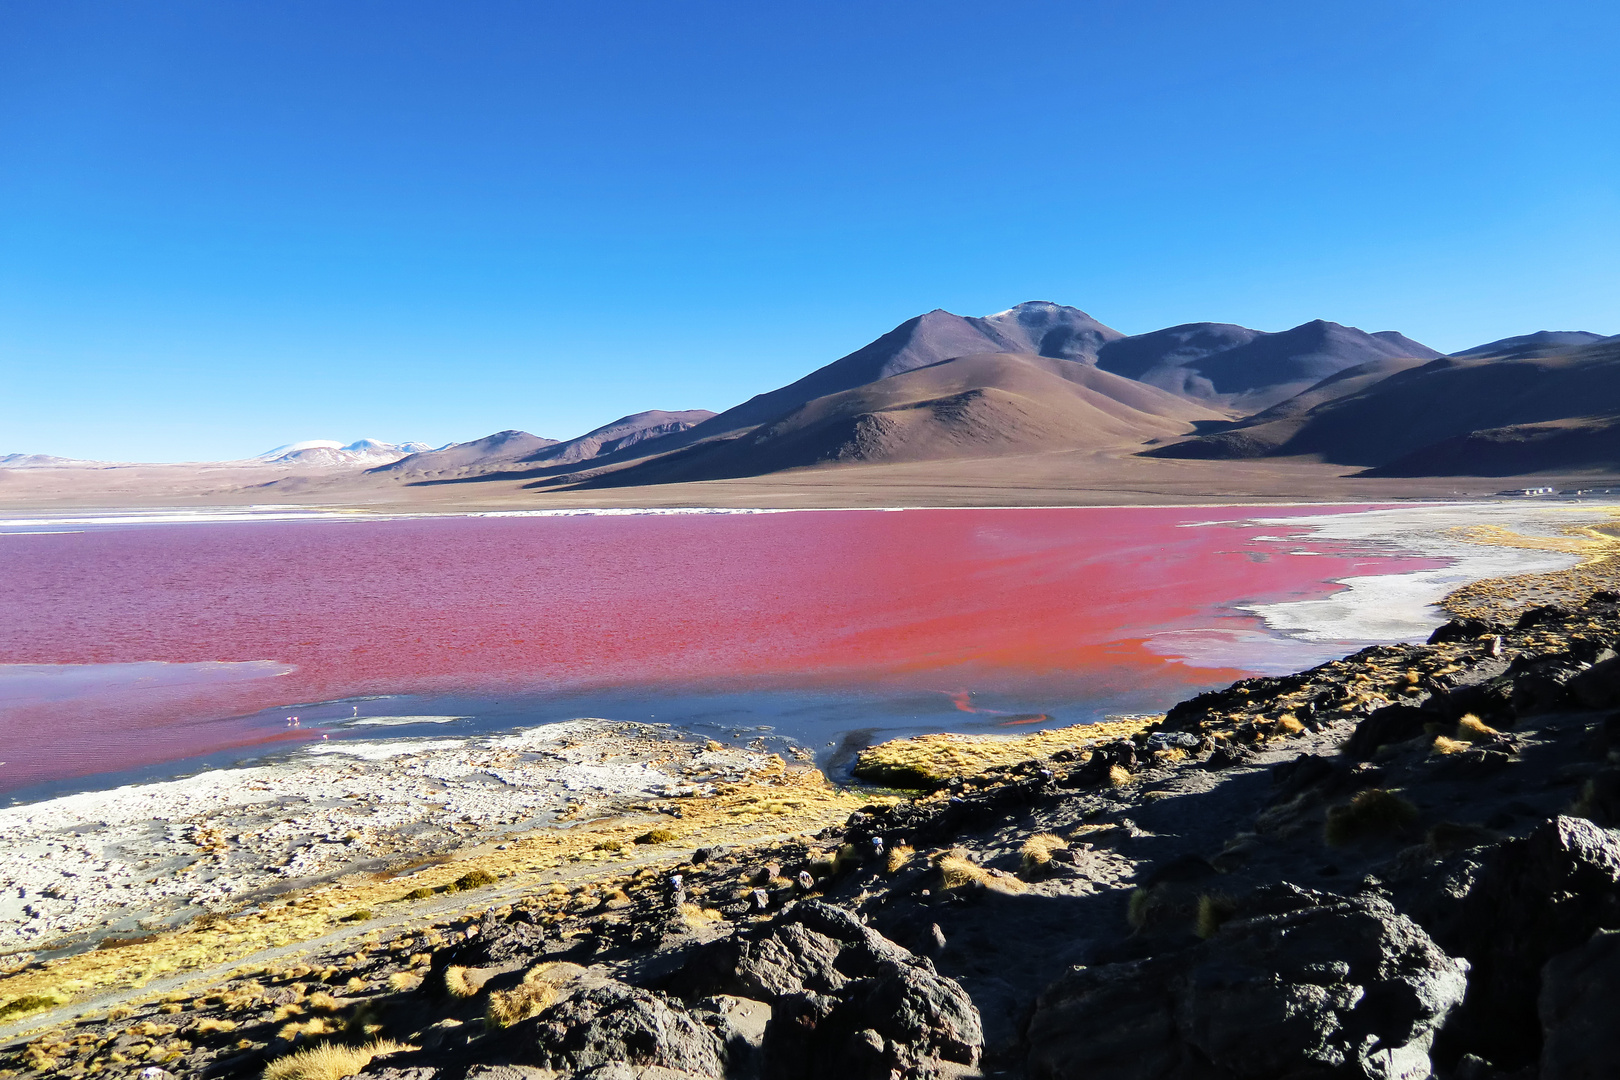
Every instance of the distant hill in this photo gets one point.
(467, 458)
(1538, 406)
(1247, 370)
(330, 452)
(509, 451)
(1529, 346)
(1266, 432)
(984, 405)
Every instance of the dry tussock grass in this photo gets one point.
(957, 871)
(330, 1061)
(1444, 745)
(928, 761)
(1371, 813)
(1037, 852)
(456, 983)
(898, 857)
(1472, 729)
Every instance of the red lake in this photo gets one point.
(134, 645)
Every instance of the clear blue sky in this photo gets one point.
(228, 224)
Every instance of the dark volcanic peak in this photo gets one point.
(1540, 343)
(1246, 369)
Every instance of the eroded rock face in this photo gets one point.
(615, 1024)
(1299, 984)
(1580, 998)
(846, 1001)
(1528, 900)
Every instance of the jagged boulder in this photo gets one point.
(1465, 629)
(846, 1001)
(1511, 909)
(1298, 984)
(1580, 998)
(1390, 724)
(493, 945)
(617, 1025)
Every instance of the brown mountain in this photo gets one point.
(509, 451)
(1514, 406)
(1247, 370)
(984, 405)
(1037, 326)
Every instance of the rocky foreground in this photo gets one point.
(1397, 865)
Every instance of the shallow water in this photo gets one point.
(149, 646)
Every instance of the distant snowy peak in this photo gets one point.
(326, 452)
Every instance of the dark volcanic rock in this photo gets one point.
(620, 1024)
(1512, 911)
(1580, 998)
(1391, 724)
(847, 1001)
(1298, 984)
(1464, 629)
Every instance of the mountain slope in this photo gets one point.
(1036, 326)
(467, 458)
(1395, 418)
(1529, 346)
(518, 451)
(1265, 432)
(984, 405)
(1246, 370)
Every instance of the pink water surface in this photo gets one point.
(951, 599)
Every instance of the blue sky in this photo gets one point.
(227, 225)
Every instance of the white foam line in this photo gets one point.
(397, 721)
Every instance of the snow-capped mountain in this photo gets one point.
(367, 452)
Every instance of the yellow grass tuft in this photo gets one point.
(1037, 852)
(957, 871)
(331, 1061)
(508, 1007)
(1472, 729)
(323, 1002)
(695, 915)
(404, 981)
(898, 857)
(313, 1027)
(1443, 745)
(456, 983)
(208, 1023)
(656, 836)
(1118, 776)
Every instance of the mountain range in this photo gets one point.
(1042, 378)
(1045, 379)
